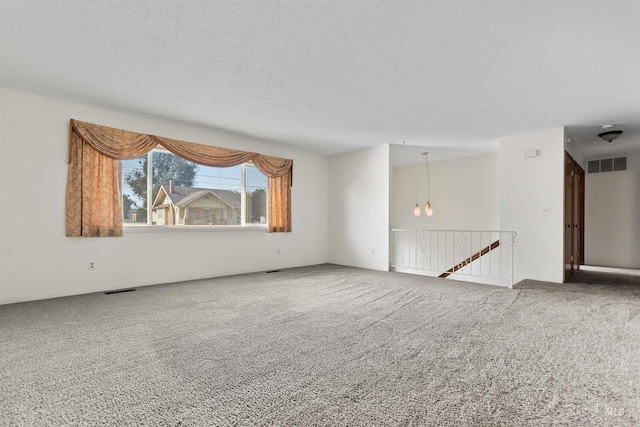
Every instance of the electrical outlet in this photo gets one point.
(373, 251)
(546, 211)
(278, 251)
(92, 265)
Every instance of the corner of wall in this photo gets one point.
(359, 197)
(532, 202)
(574, 150)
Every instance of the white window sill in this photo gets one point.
(190, 228)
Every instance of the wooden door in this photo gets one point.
(573, 216)
(582, 204)
(578, 216)
(568, 216)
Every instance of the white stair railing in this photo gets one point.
(471, 255)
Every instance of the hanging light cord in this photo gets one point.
(428, 178)
(418, 181)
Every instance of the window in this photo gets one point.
(94, 206)
(186, 193)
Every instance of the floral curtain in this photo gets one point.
(279, 203)
(94, 193)
(94, 196)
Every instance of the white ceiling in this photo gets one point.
(334, 76)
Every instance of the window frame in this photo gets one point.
(128, 226)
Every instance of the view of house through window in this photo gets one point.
(185, 193)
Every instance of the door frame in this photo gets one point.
(574, 191)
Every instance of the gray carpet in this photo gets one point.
(326, 345)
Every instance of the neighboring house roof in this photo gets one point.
(182, 196)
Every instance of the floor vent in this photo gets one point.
(119, 291)
(607, 165)
(272, 271)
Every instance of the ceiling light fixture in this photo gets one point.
(428, 209)
(609, 135)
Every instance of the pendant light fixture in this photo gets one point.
(609, 135)
(427, 209)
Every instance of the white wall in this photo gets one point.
(527, 185)
(38, 261)
(574, 150)
(612, 217)
(465, 195)
(359, 188)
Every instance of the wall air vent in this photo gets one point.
(119, 291)
(607, 165)
(620, 164)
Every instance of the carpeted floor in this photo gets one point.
(326, 345)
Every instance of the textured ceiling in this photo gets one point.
(334, 76)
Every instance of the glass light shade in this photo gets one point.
(416, 211)
(610, 135)
(428, 209)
